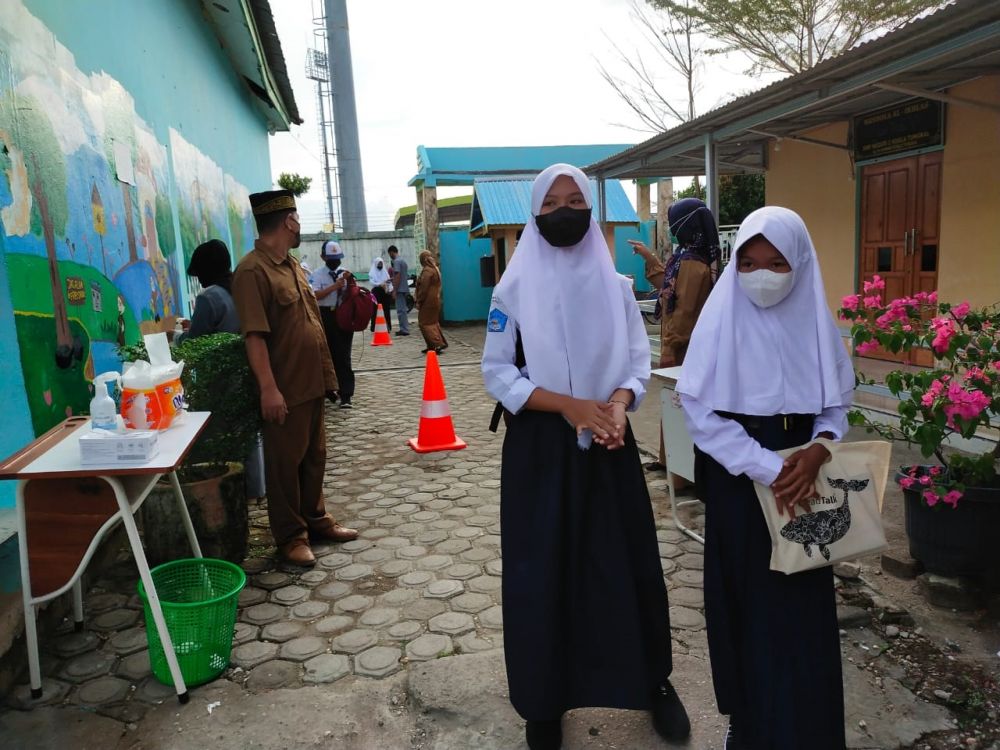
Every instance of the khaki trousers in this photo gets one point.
(295, 462)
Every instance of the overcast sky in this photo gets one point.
(470, 73)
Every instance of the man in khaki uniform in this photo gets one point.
(288, 354)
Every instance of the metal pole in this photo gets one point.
(327, 177)
(354, 217)
(712, 175)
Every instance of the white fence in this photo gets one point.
(360, 249)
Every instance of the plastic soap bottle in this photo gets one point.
(103, 412)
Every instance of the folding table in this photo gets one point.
(65, 509)
(678, 447)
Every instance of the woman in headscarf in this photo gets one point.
(766, 370)
(428, 298)
(379, 280)
(566, 354)
(685, 282)
(215, 312)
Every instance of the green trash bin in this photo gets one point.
(198, 597)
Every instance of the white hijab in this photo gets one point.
(376, 276)
(785, 359)
(568, 304)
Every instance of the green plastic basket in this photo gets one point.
(198, 597)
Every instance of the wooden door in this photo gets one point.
(900, 220)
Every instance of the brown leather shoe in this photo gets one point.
(297, 552)
(334, 533)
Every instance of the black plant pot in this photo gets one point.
(960, 541)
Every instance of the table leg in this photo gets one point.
(78, 606)
(185, 516)
(147, 581)
(30, 626)
(674, 505)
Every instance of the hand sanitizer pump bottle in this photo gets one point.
(103, 412)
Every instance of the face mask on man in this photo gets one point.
(766, 288)
(565, 226)
(332, 263)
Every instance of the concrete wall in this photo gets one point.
(360, 249)
(818, 182)
(127, 139)
(970, 198)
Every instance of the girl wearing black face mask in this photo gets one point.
(567, 355)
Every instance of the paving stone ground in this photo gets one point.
(421, 585)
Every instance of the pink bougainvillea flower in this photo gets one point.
(960, 311)
(932, 298)
(866, 347)
(925, 481)
(944, 331)
(931, 497)
(906, 482)
(875, 285)
(851, 301)
(873, 300)
(934, 471)
(952, 497)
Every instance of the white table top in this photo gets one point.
(63, 458)
(670, 374)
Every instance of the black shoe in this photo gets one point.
(654, 466)
(439, 350)
(346, 405)
(403, 333)
(544, 735)
(669, 717)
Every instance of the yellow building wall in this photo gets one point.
(818, 183)
(970, 198)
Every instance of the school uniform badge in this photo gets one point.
(496, 322)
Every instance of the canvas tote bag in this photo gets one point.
(846, 521)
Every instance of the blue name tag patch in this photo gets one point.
(497, 321)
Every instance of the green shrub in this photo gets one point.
(216, 378)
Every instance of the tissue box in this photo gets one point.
(105, 448)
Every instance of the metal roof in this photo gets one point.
(507, 202)
(461, 166)
(247, 34)
(954, 45)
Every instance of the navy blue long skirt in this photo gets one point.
(584, 602)
(773, 638)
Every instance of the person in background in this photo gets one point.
(327, 284)
(766, 370)
(428, 296)
(381, 283)
(290, 360)
(581, 563)
(215, 312)
(685, 282)
(400, 283)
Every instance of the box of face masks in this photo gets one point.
(104, 447)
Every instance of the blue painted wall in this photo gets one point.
(156, 72)
(464, 297)
(626, 261)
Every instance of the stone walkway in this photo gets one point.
(364, 632)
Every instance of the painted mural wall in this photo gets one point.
(100, 210)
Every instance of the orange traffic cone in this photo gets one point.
(381, 337)
(436, 432)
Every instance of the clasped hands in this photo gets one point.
(796, 484)
(606, 421)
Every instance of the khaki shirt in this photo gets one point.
(693, 284)
(273, 299)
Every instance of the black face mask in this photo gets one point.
(332, 263)
(565, 226)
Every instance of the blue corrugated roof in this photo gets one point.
(508, 202)
(461, 166)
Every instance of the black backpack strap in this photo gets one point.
(519, 362)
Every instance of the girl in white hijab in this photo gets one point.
(766, 370)
(378, 279)
(567, 355)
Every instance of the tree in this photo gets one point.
(739, 194)
(789, 36)
(31, 133)
(675, 42)
(297, 183)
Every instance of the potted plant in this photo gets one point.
(952, 504)
(216, 378)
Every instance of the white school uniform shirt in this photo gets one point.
(786, 359)
(323, 277)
